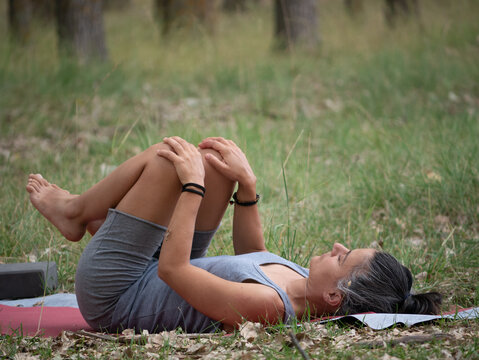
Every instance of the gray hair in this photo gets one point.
(383, 285)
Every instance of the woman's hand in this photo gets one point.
(234, 166)
(186, 158)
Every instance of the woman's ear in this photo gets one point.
(333, 297)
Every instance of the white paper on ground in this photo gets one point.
(380, 321)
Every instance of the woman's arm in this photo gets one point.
(176, 247)
(247, 228)
(220, 299)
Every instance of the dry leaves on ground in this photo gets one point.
(252, 340)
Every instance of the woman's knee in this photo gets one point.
(162, 170)
(157, 165)
(159, 172)
(213, 178)
(165, 168)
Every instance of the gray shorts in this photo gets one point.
(115, 258)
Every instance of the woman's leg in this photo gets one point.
(153, 197)
(145, 186)
(72, 213)
(120, 253)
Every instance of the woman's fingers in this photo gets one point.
(215, 138)
(177, 143)
(223, 146)
(213, 144)
(186, 158)
(218, 165)
(168, 154)
(216, 141)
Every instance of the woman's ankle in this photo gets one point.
(74, 209)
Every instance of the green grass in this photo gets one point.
(369, 139)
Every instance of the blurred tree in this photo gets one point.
(296, 24)
(400, 9)
(234, 5)
(353, 7)
(80, 29)
(43, 10)
(116, 4)
(186, 14)
(19, 19)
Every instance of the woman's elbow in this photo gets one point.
(164, 272)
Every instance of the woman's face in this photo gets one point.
(326, 270)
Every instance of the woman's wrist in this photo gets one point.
(247, 183)
(246, 192)
(194, 188)
(200, 182)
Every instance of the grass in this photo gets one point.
(370, 140)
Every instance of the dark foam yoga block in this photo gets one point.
(24, 280)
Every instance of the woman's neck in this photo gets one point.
(302, 304)
(296, 291)
(295, 287)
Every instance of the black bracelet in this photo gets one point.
(198, 186)
(194, 192)
(245, 203)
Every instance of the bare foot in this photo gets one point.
(53, 203)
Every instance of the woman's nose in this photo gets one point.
(339, 249)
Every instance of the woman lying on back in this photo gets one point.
(155, 205)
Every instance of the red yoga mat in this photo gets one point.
(41, 321)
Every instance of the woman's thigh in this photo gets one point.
(153, 197)
(116, 258)
(112, 261)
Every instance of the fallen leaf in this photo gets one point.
(128, 333)
(441, 220)
(389, 357)
(128, 352)
(375, 245)
(453, 97)
(447, 354)
(400, 223)
(433, 176)
(250, 331)
(421, 276)
(333, 105)
(379, 214)
(156, 339)
(25, 356)
(450, 252)
(197, 348)
(442, 223)
(415, 241)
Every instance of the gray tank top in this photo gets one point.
(152, 305)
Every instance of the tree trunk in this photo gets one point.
(19, 19)
(296, 24)
(353, 7)
(186, 14)
(396, 9)
(80, 29)
(44, 10)
(116, 4)
(234, 5)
